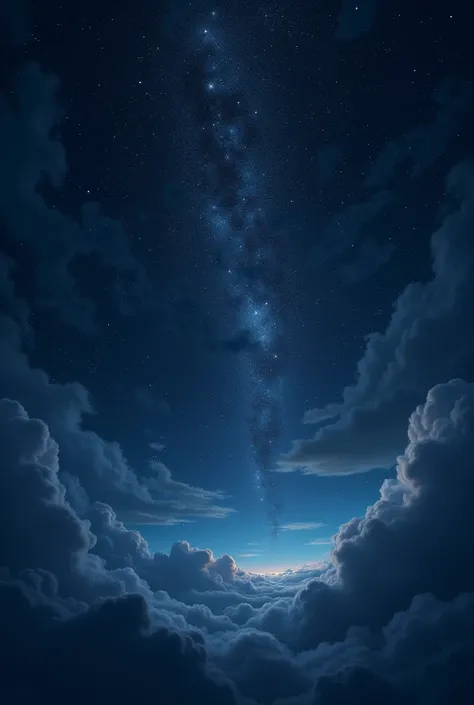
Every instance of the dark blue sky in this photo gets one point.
(362, 111)
(236, 352)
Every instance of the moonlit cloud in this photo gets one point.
(264, 634)
(89, 612)
(366, 429)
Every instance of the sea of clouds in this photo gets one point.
(90, 614)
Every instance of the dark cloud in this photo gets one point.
(33, 161)
(421, 146)
(356, 18)
(429, 338)
(31, 493)
(106, 655)
(420, 521)
(83, 599)
(92, 468)
(88, 613)
(392, 603)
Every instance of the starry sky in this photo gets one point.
(236, 352)
(216, 229)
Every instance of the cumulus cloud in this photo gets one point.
(419, 522)
(92, 468)
(429, 338)
(388, 620)
(88, 613)
(107, 653)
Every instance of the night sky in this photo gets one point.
(236, 352)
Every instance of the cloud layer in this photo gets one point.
(429, 338)
(389, 620)
(88, 613)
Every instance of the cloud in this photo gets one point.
(86, 596)
(249, 555)
(429, 338)
(68, 660)
(158, 446)
(389, 620)
(34, 159)
(92, 468)
(88, 611)
(356, 18)
(420, 521)
(302, 526)
(421, 146)
(319, 542)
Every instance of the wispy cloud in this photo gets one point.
(302, 526)
(155, 445)
(319, 542)
(249, 555)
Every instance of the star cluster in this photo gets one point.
(237, 218)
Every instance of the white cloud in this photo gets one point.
(249, 555)
(155, 445)
(318, 542)
(302, 526)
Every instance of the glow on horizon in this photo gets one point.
(281, 568)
